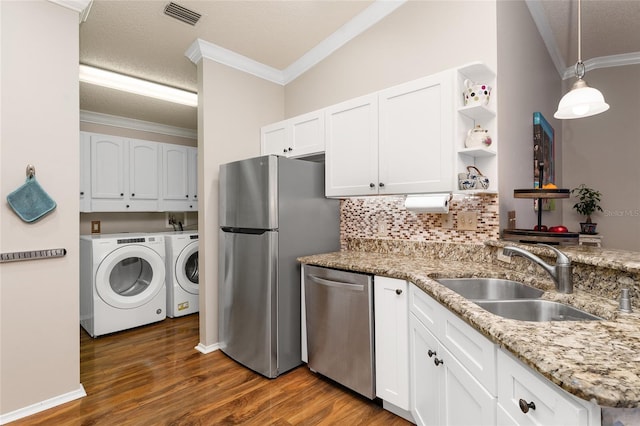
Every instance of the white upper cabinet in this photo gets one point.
(397, 141)
(307, 134)
(85, 173)
(351, 160)
(175, 177)
(274, 139)
(124, 174)
(415, 140)
(118, 174)
(143, 170)
(108, 167)
(296, 137)
(193, 178)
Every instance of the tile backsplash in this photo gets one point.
(385, 218)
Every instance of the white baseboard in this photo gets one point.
(207, 349)
(43, 405)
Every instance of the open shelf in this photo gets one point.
(541, 193)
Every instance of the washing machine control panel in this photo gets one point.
(132, 240)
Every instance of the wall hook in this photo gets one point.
(31, 171)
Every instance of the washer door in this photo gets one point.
(187, 268)
(130, 276)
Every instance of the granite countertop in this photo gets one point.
(593, 360)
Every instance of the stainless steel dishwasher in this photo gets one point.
(339, 311)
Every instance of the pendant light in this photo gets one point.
(582, 100)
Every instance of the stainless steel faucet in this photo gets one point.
(561, 272)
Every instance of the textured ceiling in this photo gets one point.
(609, 27)
(136, 38)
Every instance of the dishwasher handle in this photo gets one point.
(337, 284)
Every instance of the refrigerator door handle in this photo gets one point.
(253, 231)
(338, 284)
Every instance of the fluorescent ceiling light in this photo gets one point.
(125, 83)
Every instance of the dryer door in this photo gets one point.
(130, 276)
(187, 268)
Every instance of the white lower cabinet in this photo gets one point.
(525, 398)
(459, 377)
(391, 298)
(443, 391)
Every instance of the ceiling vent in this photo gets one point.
(182, 13)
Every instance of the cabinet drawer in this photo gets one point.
(425, 308)
(553, 406)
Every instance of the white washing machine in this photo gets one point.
(183, 289)
(122, 281)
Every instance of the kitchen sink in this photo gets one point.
(490, 288)
(535, 310)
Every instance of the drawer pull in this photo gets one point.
(431, 353)
(398, 291)
(437, 362)
(525, 406)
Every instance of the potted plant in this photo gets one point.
(588, 203)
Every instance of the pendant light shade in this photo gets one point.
(582, 100)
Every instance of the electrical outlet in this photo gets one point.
(95, 226)
(172, 218)
(446, 221)
(468, 221)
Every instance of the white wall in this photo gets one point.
(603, 152)
(39, 312)
(232, 107)
(418, 39)
(528, 82)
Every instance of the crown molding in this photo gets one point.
(203, 49)
(378, 10)
(133, 124)
(81, 6)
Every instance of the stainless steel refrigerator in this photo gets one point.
(272, 210)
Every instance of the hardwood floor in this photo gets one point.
(152, 375)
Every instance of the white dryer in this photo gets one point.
(122, 281)
(183, 289)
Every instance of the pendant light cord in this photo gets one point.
(580, 65)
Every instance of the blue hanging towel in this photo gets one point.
(30, 201)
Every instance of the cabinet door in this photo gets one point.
(416, 146)
(175, 184)
(307, 134)
(108, 165)
(193, 178)
(85, 172)
(392, 340)
(464, 400)
(275, 139)
(425, 377)
(351, 159)
(143, 170)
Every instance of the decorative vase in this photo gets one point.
(588, 228)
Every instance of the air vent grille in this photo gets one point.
(182, 13)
